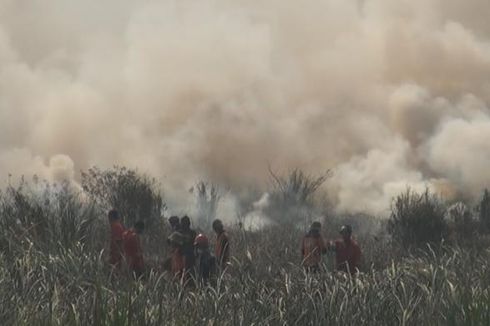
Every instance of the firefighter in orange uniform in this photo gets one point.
(116, 245)
(177, 260)
(205, 265)
(133, 250)
(347, 252)
(222, 246)
(312, 248)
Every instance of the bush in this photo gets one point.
(417, 219)
(462, 225)
(292, 197)
(207, 196)
(136, 196)
(485, 210)
(44, 216)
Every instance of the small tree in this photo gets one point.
(461, 222)
(417, 219)
(49, 216)
(135, 195)
(291, 198)
(207, 196)
(485, 210)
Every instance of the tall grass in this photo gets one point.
(73, 287)
(53, 271)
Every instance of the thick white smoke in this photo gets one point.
(386, 93)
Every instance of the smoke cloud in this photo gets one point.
(386, 93)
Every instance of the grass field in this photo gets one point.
(53, 271)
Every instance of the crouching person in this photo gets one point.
(205, 262)
(133, 250)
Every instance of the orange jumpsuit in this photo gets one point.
(116, 253)
(312, 248)
(177, 262)
(222, 249)
(348, 255)
(133, 251)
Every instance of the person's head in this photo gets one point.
(201, 242)
(113, 215)
(174, 222)
(218, 226)
(346, 232)
(185, 222)
(139, 227)
(316, 227)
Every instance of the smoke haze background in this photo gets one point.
(386, 93)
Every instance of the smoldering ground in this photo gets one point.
(386, 93)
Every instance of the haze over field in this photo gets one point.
(386, 93)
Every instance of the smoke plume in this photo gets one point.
(386, 93)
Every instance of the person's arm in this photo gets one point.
(118, 239)
(130, 251)
(331, 246)
(357, 257)
(119, 246)
(322, 246)
(225, 245)
(139, 249)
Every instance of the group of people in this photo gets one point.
(191, 259)
(347, 251)
(190, 255)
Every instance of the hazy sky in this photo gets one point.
(387, 93)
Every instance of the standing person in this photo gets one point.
(177, 265)
(347, 251)
(189, 236)
(116, 245)
(133, 250)
(222, 247)
(205, 261)
(188, 246)
(312, 248)
(174, 227)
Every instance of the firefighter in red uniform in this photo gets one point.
(222, 246)
(205, 265)
(116, 246)
(312, 248)
(133, 250)
(347, 252)
(188, 247)
(177, 260)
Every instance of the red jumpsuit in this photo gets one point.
(133, 251)
(222, 249)
(116, 253)
(348, 255)
(312, 248)
(177, 262)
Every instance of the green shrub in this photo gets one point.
(484, 210)
(417, 219)
(207, 196)
(291, 199)
(136, 196)
(46, 216)
(462, 224)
